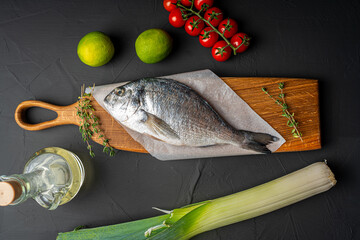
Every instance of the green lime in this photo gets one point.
(95, 49)
(153, 45)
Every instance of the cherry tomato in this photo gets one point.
(238, 39)
(198, 3)
(175, 18)
(169, 5)
(228, 27)
(214, 15)
(208, 37)
(194, 25)
(186, 3)
(220, 51)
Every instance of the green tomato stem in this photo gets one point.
(242, 43)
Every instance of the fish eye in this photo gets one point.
(120, 92)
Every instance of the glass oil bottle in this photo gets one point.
(52, 177)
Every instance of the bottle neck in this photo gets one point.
(29, 185)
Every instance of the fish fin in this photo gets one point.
(257, 141)
(159, 127)
(153, 137)
(262, 138)
(257, 147)
(206, 146)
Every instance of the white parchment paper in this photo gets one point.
(223, 99)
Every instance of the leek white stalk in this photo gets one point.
(184, 223)
(281, 192)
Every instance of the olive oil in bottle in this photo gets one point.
(52, 177)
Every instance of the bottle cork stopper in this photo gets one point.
(9, 192)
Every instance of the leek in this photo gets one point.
(186, 222)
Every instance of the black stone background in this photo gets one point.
(309, 39)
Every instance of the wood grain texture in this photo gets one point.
(301, 95)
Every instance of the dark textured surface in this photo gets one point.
(311, 39)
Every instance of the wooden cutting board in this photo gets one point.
(300, 94)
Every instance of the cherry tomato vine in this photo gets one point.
(213, 17)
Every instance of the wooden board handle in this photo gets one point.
(65, 115)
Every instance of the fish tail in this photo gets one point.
(256, 141)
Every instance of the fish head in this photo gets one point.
(122, 102)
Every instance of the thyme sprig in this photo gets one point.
(280, 100)
(189, 11)
(89, 123)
